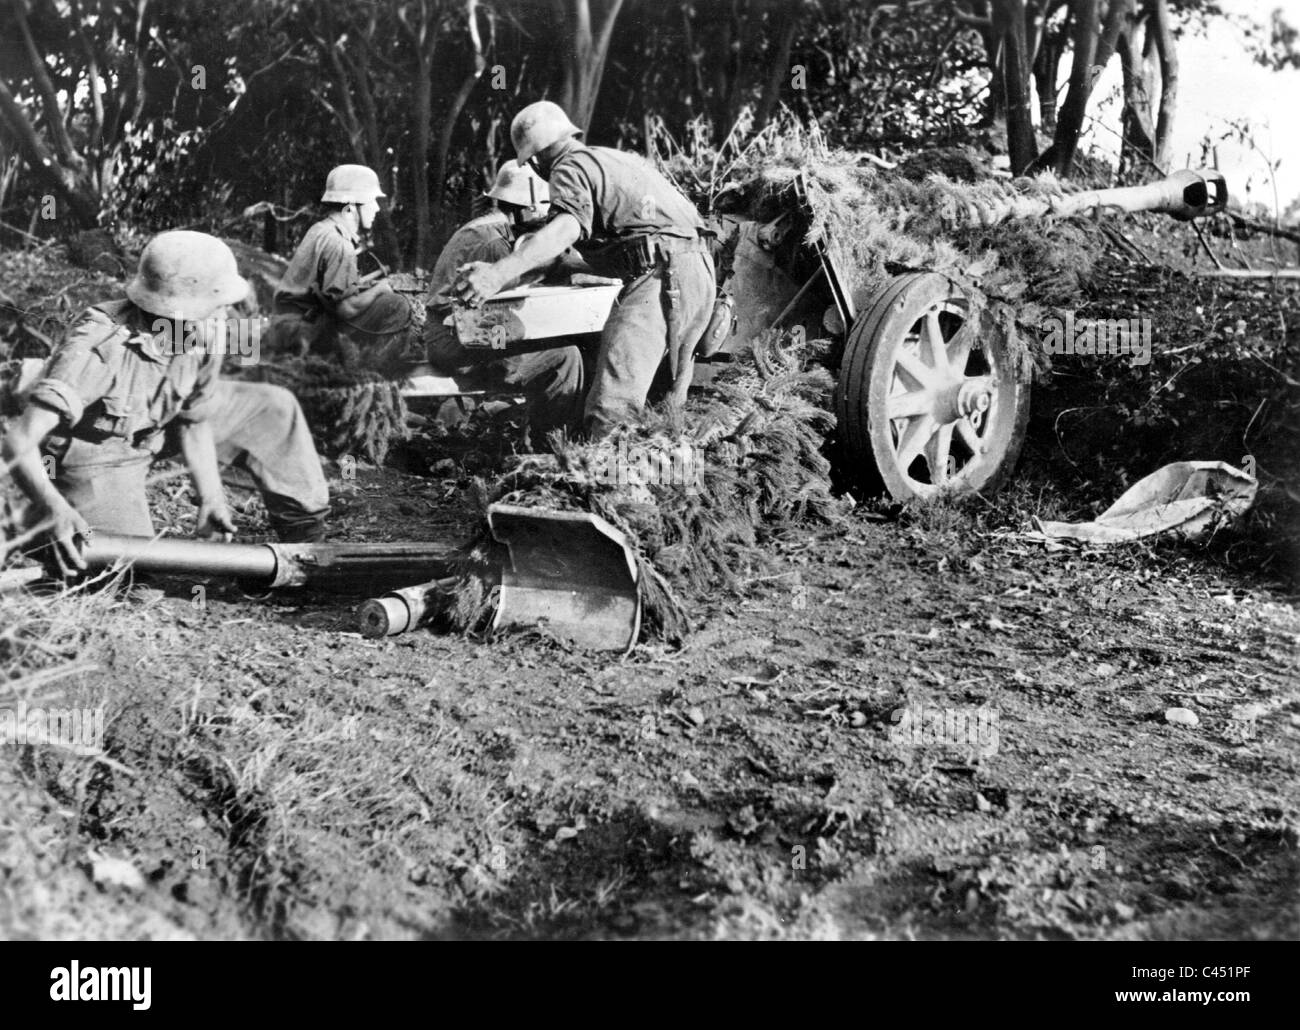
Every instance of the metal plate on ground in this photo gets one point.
(569, 571)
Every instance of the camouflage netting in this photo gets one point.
(352, 398)
(694, 490)
(351, 411)
(996, 238)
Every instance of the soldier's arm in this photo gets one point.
(20, 452)
(351, 306)
(479, 281)
(200, 453)
(78, 374)
(542, 247)
(340, 286)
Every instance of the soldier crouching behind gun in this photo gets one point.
(552, 379)
(626, 220)
(119, 392)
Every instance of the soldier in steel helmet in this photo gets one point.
(552, 379)
(324, 303)
(628, 221)
(138, 378)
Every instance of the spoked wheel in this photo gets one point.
(924, 406)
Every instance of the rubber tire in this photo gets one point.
(862, 385)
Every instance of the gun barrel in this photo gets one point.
(341, 567)
(254, 562)
(1185, 194)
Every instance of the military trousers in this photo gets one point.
(635, 340)
(260, 435)
(378, 338)
(551, 380)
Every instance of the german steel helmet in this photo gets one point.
(186, 275)
(537, 126)
(351, 184)
(521, 186)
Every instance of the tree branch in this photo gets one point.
(140, 85)
(1069, 121)
(457, 104)
(1166, 51)
(92, 76)
(54, 123)
(58, 177)
(1117, 12)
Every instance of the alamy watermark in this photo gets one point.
(235, 336)
(622, 464)
(1098, 336)
(81, 729)
(75, 982)
(919, 725)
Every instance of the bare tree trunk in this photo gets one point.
(996, 109)
(423, 35)
(1137, 128)
(694, 56)
(55, 125)
(58, 164)
(457, 105)
(1047, 66)
(77, 192)
(721, 51)
(1093, 49)
(93, 79)
(330, 46)
(741, 43)
(368, 112)
(1118, 13)
(1060, 155)
(1009, 22)
(1164, 43)
(421, 117)
(779, 70)
(980, 18)
(584, 66)
(355, 108)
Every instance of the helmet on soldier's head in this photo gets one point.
(537, 126)
(351, 184)
(186, 275)
(520, 186)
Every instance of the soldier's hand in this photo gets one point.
(215, 521)
(67, 533)
(476, 282)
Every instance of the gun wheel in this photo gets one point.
(924, 406)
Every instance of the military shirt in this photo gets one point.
(323, 270)
(487, 238)
(615, 196)
(112, 378)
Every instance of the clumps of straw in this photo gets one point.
(694, 490)
(358, 411)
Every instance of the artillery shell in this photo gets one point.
(400, 610)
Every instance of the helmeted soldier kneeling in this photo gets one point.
(137, 379)
(324, 304)
(551, 379)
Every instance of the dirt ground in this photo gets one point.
(273, 774)
(288, 778)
